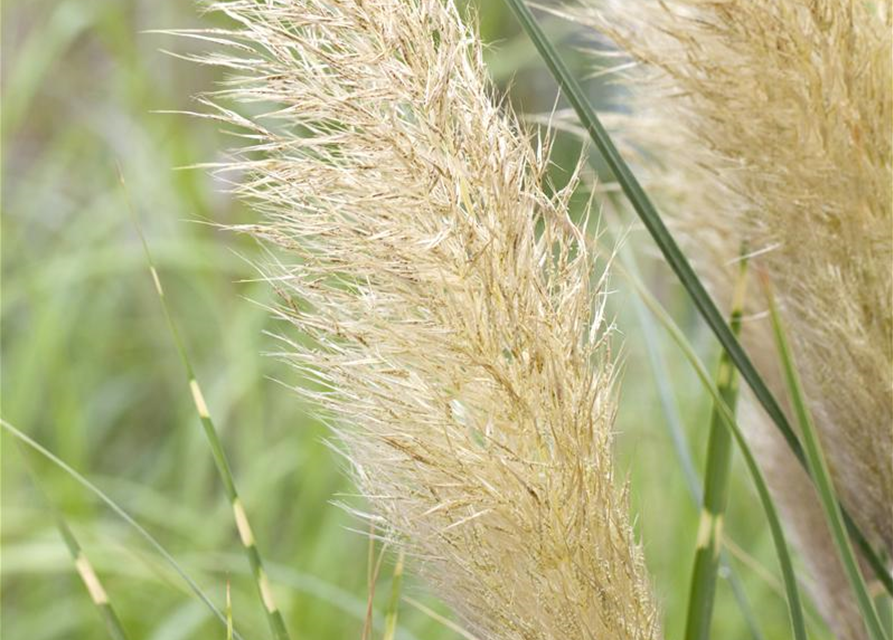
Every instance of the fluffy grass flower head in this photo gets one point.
(445, 305)
(773, 124)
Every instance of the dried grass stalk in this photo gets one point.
(447, 307)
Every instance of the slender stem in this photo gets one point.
(821, 475)
(650, 218)
(249, 544)
(716, 488)
(431, 613)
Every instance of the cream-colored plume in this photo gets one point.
(444, 303)
(769, 123)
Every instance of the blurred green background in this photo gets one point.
(89, 369)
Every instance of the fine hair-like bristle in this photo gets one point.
(770, 123)
(446, 307)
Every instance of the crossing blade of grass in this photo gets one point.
(673, 421)
(390, 624)
(274, 616)
(821, 475)
(878, 566)
(716, 487)
(121, 513)
(650, 218)
(82, 564)
(795, 607)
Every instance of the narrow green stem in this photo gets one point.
(824, 485)
(716, 488)
(650, 218)
(249, 544)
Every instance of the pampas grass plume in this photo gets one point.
(445, 305)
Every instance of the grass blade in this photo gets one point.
(650, 218)
(821, 475)
(792, 592)
(121, 513)
(274, 616)
(390, 628)
(85, 570)
(716, 487)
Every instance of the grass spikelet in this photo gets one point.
(784, 113)
(446, 305)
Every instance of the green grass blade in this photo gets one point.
(249, 544)
(822, 476)
(82, 564)
(792, 592)
(716, 487)
(390, 625)
(670, 411)
(650, 218)
(121, 513)
(740, 596)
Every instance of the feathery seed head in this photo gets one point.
(448, 307)
(773, 121)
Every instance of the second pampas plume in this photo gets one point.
(769, 125)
